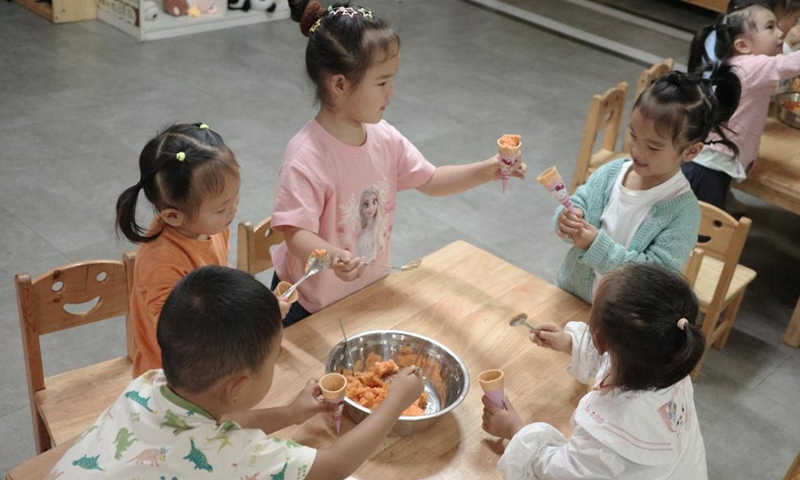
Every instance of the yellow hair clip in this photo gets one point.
(180, 156)
(315, 26)
(203, 126)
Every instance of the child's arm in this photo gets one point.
(452, 179)
(305, 405)
(302, 242)
(347, 453)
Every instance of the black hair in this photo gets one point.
(217, 321)
(687, 107)
(636, 312)
(728, 27)
(178, 168)
(341, 43)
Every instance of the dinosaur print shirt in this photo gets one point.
(150, 432)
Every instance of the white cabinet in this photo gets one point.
(128, 16)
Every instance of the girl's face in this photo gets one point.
(765, 39)
(367, 102)
(215, 214)
(369, 205)
(655, 158)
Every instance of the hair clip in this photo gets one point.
(682, 323)
(203, 126)
(365, 13)
(316, 25)
(349, 11)
(181, 156)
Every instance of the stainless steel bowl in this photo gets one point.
(445, 375)
(787, 116)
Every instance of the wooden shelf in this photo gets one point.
(715, 5)
(62, 11)
(126, 15)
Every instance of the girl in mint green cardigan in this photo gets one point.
(642, 209)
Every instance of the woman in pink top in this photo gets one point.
(748, 38)
(342, 171)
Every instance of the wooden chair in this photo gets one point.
(692, 268)
(40, 466)
(648, 76)
(721, 281)
(605, 115)
(253, 246)
(794, 470)
(65, 405)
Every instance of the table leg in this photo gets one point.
(792, 335)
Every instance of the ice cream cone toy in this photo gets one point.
(508, 147)
(333, 386)
(281, 288)
(492, 384)
(551, 180)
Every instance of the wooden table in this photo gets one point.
(775, 178)
(462, 297)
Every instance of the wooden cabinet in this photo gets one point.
(716, 5)
(128, 16)
(63, 11)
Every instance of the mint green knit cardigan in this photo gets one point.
(667, 238)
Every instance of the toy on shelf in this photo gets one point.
(247, 5)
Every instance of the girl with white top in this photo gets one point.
(639, 421)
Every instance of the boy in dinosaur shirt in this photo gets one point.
(219, 333)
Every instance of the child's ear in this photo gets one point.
(692, 151)
(742, 46)
(172, 217)
(233, 387)
(338, 85)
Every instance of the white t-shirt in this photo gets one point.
(627, 210)
(151, 432)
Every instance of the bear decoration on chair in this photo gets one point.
(258, 5)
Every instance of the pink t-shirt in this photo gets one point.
(347, 196)
(758, 74)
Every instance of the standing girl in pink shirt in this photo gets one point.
(748, 38)
(346, 165)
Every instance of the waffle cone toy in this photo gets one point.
(551, 180)
(492, 384)
(333, 386)
(508, 148)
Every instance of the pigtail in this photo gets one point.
(725, 87)
(698, 57)
(126, 216)
(690, 344)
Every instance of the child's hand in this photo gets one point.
(518, 169)
(308, 402)
(498, 422)
(346, 267)
(792, 36)
(552, 336)
(406, 386)
(584, 237)
(569, 223)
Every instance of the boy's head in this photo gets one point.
(219, 323)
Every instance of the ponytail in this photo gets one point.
(126, 217)
(698, 55)
(690, 344)
(723, 90)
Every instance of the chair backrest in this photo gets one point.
(70, 296)
(253, 246)
(692, 267)
(722, 237)
(605, 115)
(794, 470)
(648, 76)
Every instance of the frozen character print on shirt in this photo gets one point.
(363, 225)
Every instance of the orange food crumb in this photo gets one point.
(509, 140)
(370, 388)
(793, 106)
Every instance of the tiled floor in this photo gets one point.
(78, 101)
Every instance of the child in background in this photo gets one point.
(220, 334)
(191, 178)
(749, 40)
(639, 421)
(641, 209)
(348, 149)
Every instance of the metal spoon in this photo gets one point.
(522, 319)
(408, 266)
(347, 348)
(313, 267)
